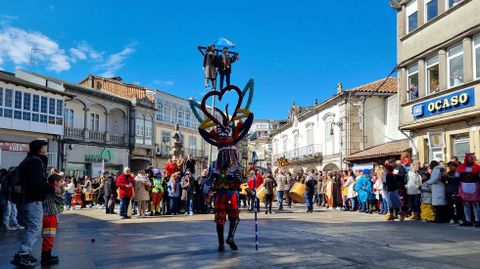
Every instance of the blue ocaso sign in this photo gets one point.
(454, 101)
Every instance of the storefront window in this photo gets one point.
(412, 89)
(461, 145)
(455, 65)
(432, 75)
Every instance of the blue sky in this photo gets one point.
(295, 50)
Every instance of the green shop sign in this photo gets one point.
(105, 155)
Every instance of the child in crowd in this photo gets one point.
(52, 206)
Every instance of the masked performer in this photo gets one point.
(226, 175)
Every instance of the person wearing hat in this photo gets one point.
(365, 191)
(33, 176)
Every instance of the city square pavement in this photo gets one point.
(290, 239)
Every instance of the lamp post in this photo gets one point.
(210, 150)
(340, 125)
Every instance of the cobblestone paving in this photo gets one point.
(289, 239)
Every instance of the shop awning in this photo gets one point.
(394, 148)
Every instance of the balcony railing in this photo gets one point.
(96, 136)
(117, 139)
(73, 133)
(301, 153)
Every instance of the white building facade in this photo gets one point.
(96, 129)
(320, 137)
(27, 112)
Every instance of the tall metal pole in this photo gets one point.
(255, 199)
(210, 153)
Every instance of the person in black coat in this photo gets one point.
(224, 67)
(110, 189)
(35, 188)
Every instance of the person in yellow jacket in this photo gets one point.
(157, 191)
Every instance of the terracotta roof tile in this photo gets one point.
(390, 86)
(384, 150)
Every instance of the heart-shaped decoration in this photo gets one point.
(224, 114)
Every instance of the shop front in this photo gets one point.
(14, 147)
(446, 126)
(83, 160)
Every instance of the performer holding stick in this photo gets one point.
(224, 132)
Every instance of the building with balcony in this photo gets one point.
(141, 117)
(322, 135)
(29, 111)
(96, 134)
(439, 76)
(259, 141)
(172, 110)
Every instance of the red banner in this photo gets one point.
(13, 146)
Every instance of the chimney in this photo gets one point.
(90, 81)
(315, 102)
(339, 88)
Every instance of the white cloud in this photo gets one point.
(84, 51)
(116, 61)
(20, 47)
(167, 83)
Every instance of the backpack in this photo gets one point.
(12, 184)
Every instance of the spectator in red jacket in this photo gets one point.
(125, 185)
(170, 167)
